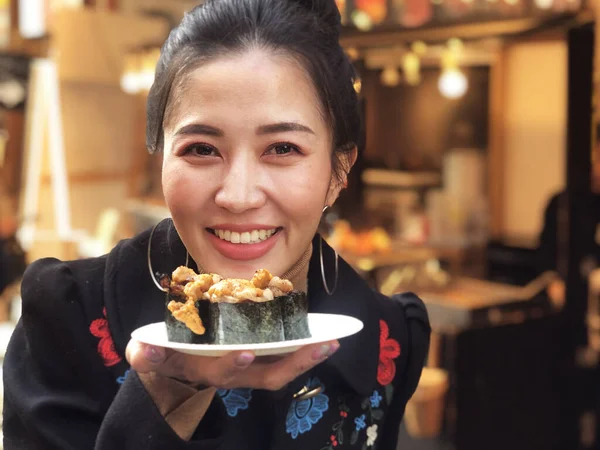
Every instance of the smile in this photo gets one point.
(245, 237)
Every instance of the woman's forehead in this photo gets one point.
(254, 84)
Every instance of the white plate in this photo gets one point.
(323, 327)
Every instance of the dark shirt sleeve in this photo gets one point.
(418, 344)
(57, 393)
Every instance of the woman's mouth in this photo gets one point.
(244, 237)
(243, 245)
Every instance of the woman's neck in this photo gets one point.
(298, 274)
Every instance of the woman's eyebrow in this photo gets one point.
(282, 127)
(199, 128)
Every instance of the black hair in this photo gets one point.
(307, 30)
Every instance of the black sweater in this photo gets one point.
(68, 386)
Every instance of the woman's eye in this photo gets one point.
(200, 150)
(284, 149)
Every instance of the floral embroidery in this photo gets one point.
(303, 414)
(371, 435)
(389, 349)
(106, 346)
(375, 399)
(370, 415)
(235, 399)
(121, 379)
(360, 422)
(371, 406)
(337, 438)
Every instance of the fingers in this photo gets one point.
(144, 358)
(226, 370)
(235, 369)
(274, 376)
(217, 372)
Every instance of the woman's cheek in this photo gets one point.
(177, 189)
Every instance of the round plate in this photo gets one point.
(323, 327)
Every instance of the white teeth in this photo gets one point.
(246, 237)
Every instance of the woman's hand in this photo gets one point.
(233, 370)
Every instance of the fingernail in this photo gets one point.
(153, 354)
(244, 359)
(325, 351)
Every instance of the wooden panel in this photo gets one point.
(87, 203)
(534, 133)
(99, 126)
(91, 44)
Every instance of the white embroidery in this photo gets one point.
(371, 435)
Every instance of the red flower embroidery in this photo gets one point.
(106, 346)
(389, 349)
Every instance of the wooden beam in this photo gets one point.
(472, 31)
(496, 153)
(91, 177)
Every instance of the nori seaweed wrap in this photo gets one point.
(294, 313)
(246, 322)
(178, 331)
(205, 309)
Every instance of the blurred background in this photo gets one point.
(478, 187)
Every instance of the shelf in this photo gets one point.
(400, 179)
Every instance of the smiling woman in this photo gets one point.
(254, 111)
(246, 155)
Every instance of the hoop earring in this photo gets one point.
(156, 283)
(330, 292)
(325, 208)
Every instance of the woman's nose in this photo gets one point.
(240, 188)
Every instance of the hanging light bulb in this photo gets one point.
(130, 81)
(544, 4)
(411, 65)
(453, 83)
(361, 20)
(390, 76)
(353, 53)
(419, 47)
(146, 75)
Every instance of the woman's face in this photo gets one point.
(247, 164)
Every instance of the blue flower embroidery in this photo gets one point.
(375, 399)
(121, 379)
(235, 399)
(303, 414)
(360, 422)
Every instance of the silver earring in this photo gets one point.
(330, 292)
(325, 208)
(156, 283)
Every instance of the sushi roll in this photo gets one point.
(294, 308)
(294, 312)
(245, 311)
(206, 309)
(187, 311)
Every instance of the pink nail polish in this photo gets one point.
(153, 354)
(325, 351)
(244, 359)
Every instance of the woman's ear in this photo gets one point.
(340, 180)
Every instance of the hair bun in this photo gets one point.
(326, 10)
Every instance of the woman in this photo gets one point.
(254, 110)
